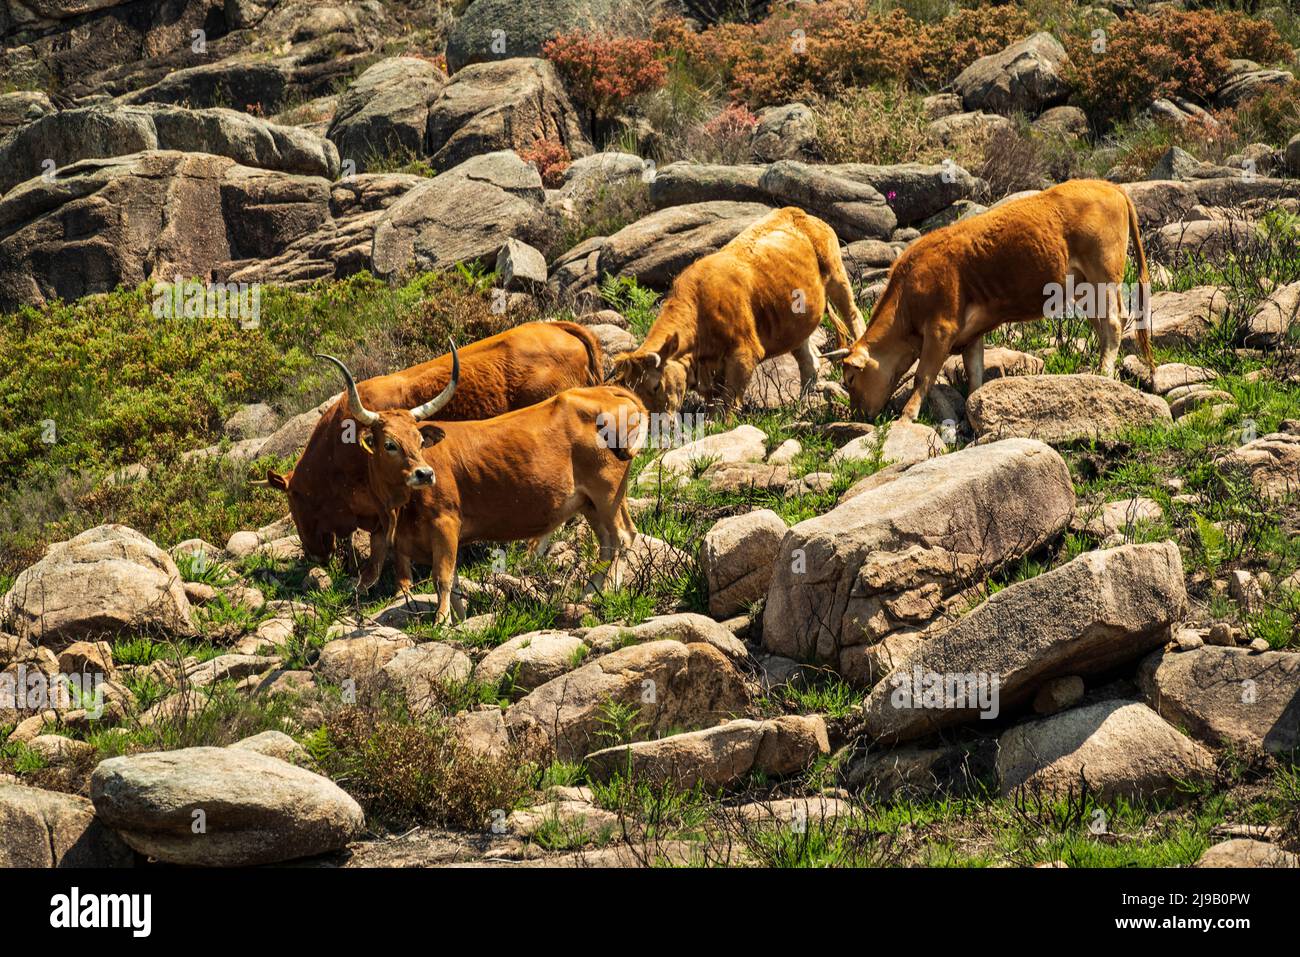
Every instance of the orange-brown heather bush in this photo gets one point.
(799, 51)
(550, 158)
(957, 41)
(1168, 52)
(603, 72)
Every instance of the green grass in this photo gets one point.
(91, 386)
(638, 305)
(826, 694)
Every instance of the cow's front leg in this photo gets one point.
(402, 566)
(973, 359)
(375, 563)
(446, 538)
(805, 357)
(736, 375)
(936, 349)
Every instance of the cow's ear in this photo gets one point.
(276, 480)
(432, 434)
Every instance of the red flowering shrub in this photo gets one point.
(1168, 52)
(799, 51)
(550, 158)
(734, 121)
(726, 137)
(602, 73)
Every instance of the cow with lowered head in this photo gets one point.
(761, 295)
(1014, 263)
(514, 477)
(329, 487)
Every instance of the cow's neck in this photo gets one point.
(391, 501)
(884, 320)
(675, 318)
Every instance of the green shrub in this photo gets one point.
(403, 772)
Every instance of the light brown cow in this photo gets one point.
(514, 477)
(761, 295)
(328, 489)
(953, 285)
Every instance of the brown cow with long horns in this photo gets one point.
(328, 489)
(513, 477)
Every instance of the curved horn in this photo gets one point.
(443, 397)
(359, 411)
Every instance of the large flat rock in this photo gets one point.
(890, 559)
(1228, 697)
(1061, 408)
(1089, 615)
(222, 807)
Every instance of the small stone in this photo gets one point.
(318, 579)
(1245, 590)
(1059, 694)
(784, 453)
(200, 593)
(1222, 634)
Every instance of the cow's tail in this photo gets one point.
(843, 339)
(595, 357)
(835, 278)
(1144, 287)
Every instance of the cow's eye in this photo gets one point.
(390, 445)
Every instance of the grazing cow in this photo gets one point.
(955, 284)
(513, 477)
(761, 295)
(328, 489)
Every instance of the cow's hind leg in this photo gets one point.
(839, 292)
(1105, 319)
(459, 606)
(805, 357)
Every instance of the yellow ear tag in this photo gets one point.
(365, 444)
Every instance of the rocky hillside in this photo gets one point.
(1053, 622)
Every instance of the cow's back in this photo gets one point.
(773, 267)
(510, 370)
